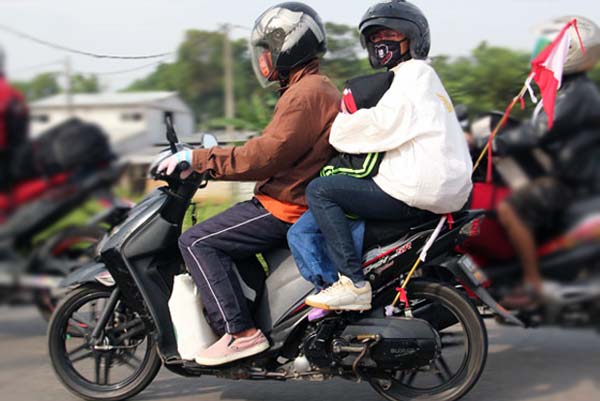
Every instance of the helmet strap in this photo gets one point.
(284, 80)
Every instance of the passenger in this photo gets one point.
(573, 144)
(426, 168)
(287, 42)
(305, 238)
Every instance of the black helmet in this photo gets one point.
(285, 36)
(400, 16)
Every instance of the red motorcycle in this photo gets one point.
(569, 255)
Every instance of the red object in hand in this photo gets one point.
(348, 102)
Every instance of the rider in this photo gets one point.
(426, 167)
(287, 42)
(573, 144)
(13, 125)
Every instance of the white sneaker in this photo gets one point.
(342, 295)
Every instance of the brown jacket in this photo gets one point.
(293, 147)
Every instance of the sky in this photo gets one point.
(138, 27)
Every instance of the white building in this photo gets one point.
(132, 120)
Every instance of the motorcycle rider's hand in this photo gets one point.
(170, 164)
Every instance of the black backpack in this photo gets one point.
(70, 145)
(360, 93)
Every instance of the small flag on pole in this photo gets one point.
(547, 68)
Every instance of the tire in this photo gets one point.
(63, 245)
(473, 363)
(59, 333)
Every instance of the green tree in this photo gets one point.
(42, 85)
(197, 75)
(486, 80)
(84, 84)
(345, 57)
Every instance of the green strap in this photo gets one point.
(367, 168)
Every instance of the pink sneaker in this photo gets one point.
(229, 349)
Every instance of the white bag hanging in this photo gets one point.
(191, 328)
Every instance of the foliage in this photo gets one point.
(84, 84)
(42, 85)
(46, 84)
(487, 80)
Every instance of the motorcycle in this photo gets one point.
(31, 270)
(110, 336)
(568, 254)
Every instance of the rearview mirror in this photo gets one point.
(209, 141)
(171, 134)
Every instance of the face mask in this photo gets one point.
(388, 53)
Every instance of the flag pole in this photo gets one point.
(503, 121)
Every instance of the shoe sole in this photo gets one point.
(257, 349)
(354, 308)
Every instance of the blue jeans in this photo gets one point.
(307, 244)
(331, 198)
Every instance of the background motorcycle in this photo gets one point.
(32, 271)
(569, 254)
(110, 335)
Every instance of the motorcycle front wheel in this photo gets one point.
(463, 354)
(120, 365)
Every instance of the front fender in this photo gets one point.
(90, 273)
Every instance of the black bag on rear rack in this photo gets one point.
(70, 145)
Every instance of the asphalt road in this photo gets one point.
(540, 365)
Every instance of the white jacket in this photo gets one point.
(427, 164)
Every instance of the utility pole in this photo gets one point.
(228, 78)
(68, 88)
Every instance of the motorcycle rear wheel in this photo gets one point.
(399, 385)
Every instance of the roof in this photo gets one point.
(104, 99)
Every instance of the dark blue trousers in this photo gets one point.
(212, 248)
(331, 198)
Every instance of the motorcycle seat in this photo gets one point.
(381, 233)
(378, 232)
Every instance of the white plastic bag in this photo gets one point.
(191, 328)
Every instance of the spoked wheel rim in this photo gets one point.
(116, 361)
(445, 377)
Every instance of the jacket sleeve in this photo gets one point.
(290, 134)
(381, 128)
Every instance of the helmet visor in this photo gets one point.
(263, 65)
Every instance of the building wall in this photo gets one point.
(129, 127)
(155, 127)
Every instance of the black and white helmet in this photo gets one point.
(285, 36)
(400, 16)
(577, 60)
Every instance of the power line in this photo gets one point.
(141, 67)
(76, 51)
(37, 66)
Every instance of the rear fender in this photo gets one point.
(459, 267)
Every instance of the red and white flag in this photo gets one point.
(547, 68)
